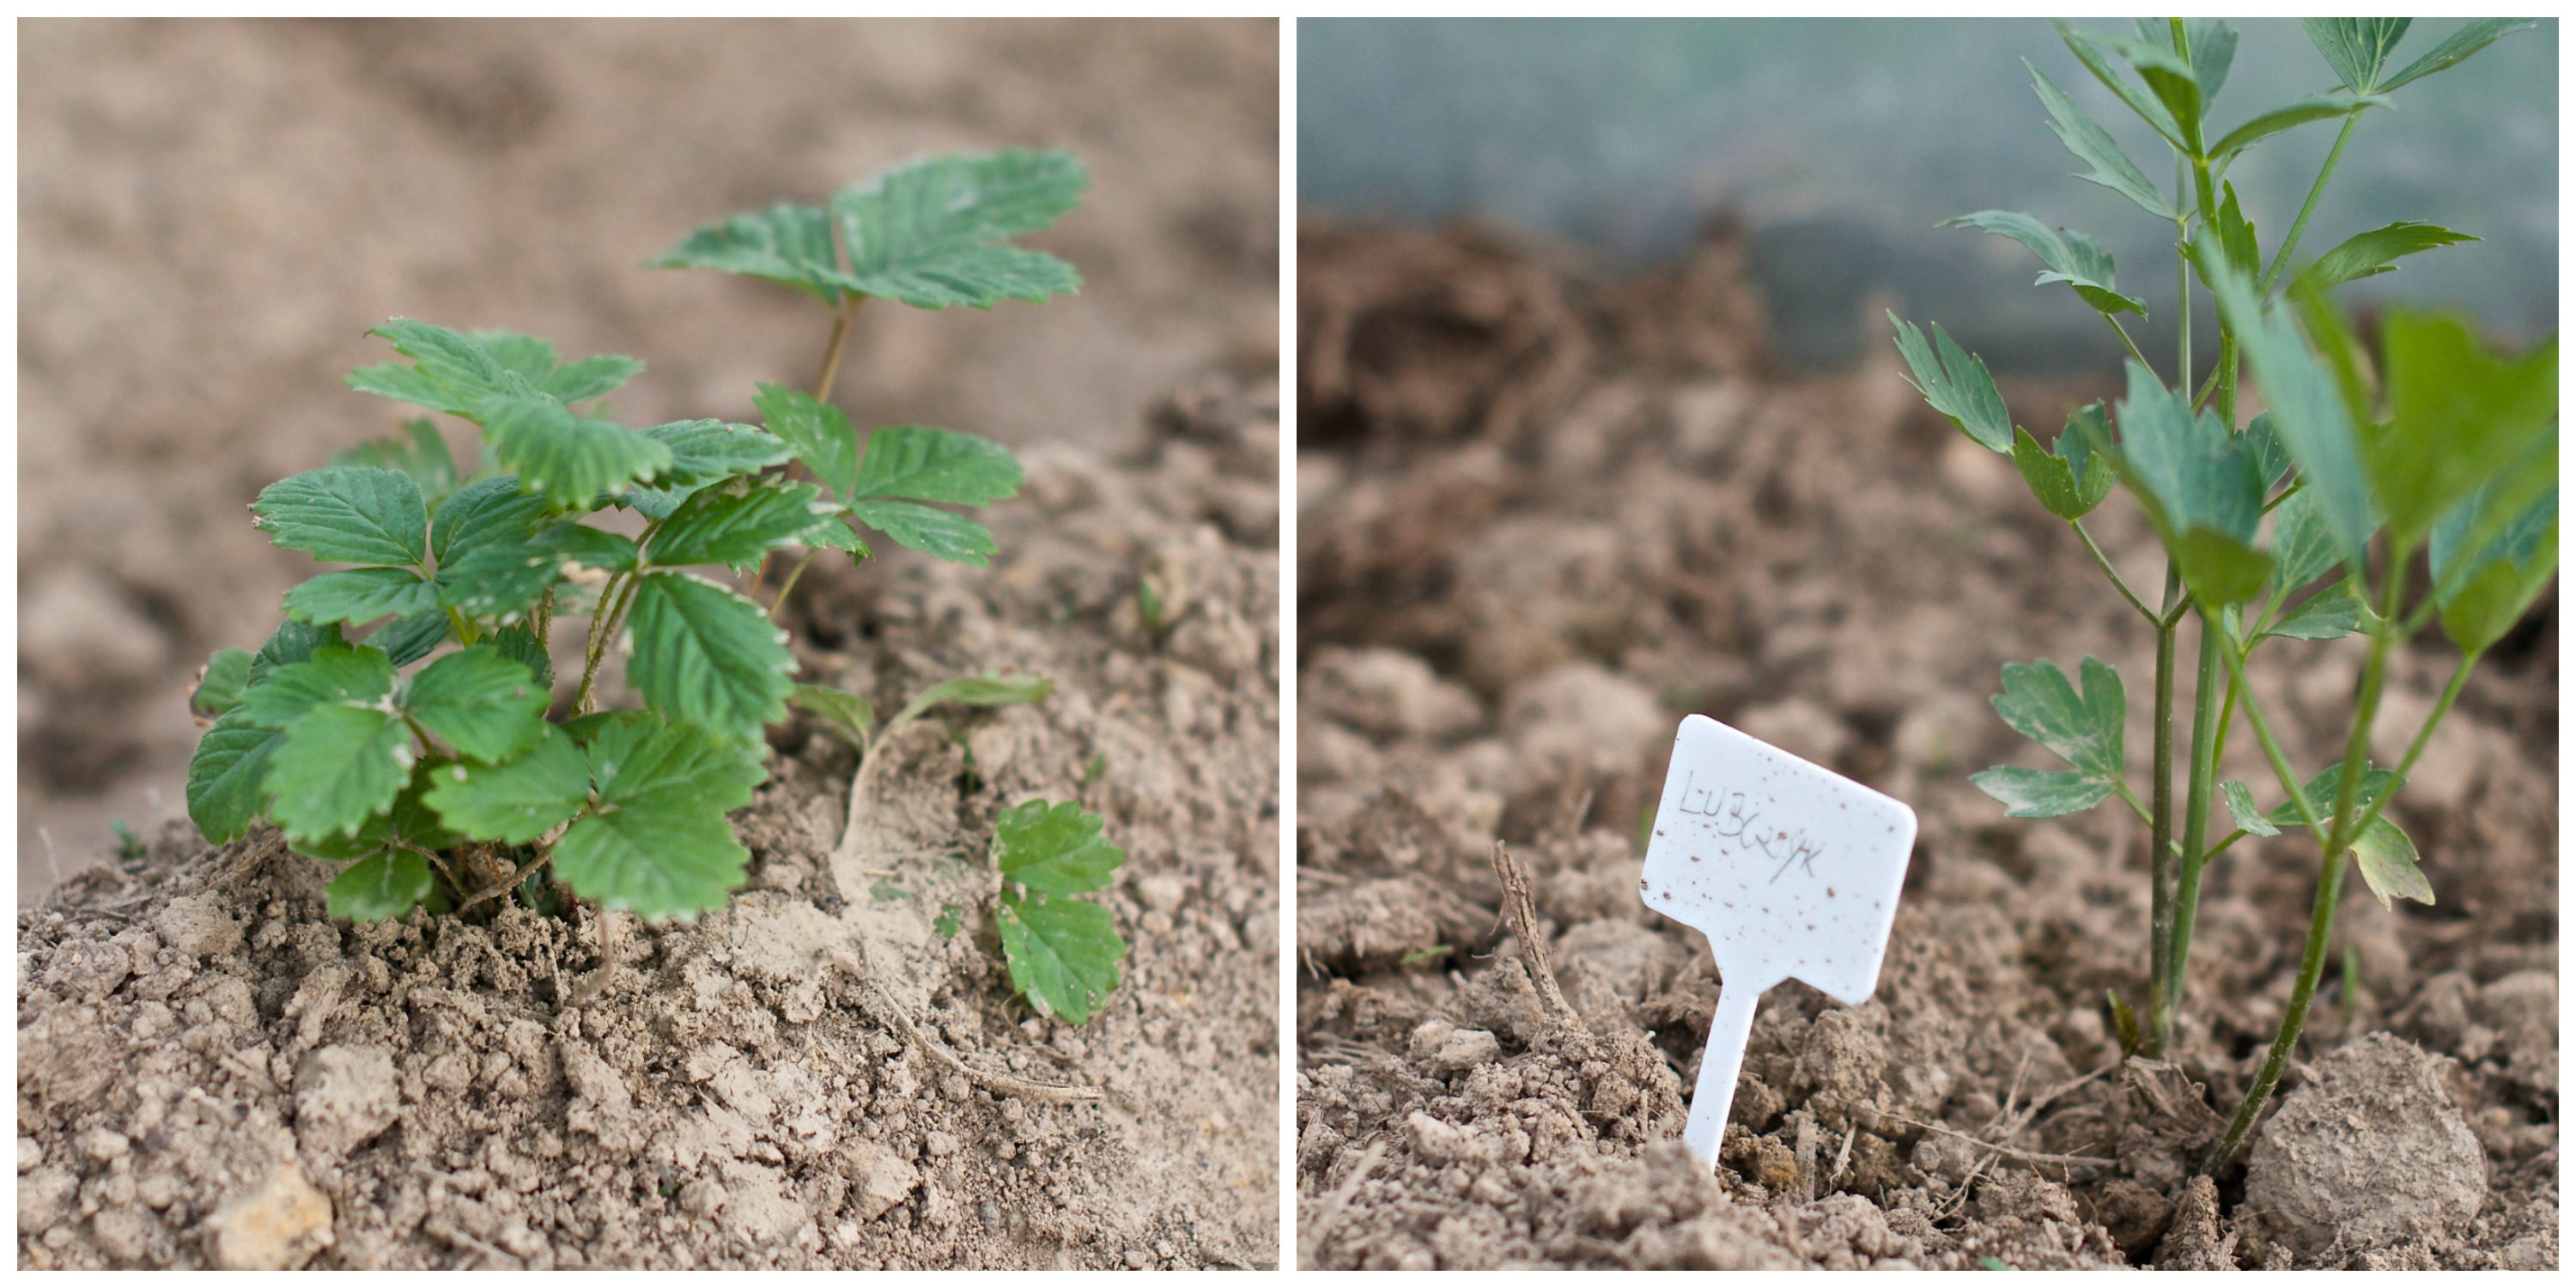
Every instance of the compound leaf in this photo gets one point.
(2374, 252)
(704, 451)
(381, 888)
(2041, 793)
(338, 765)
(346, 514)
(1956, 385)
(518, 801)
(733, 522)
(226, 777)
(2073, 258)
(2094, 146)
(930, 233)
(2087, 47)
(787, 244)
(928, 529)
(361, 595)
(1055, 848)
(916, 463)
(2455, 50)
(2084, 730)
(817, 431)
(486, 706)
(708, 656)
(572, 459)
(2240, 806)
(331, 673)
(2357, 48)
(1062, 953)
(978, 691)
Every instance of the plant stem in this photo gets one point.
(2132, 344)
(2315, 190)
(2205, 736)
(2104, 563)
(2339, 838)
(463, 625)
(789, 584)
(2441, 708)
(2160, 826)
(822, 393)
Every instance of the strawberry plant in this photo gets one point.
(2302, 523)
(404, 720)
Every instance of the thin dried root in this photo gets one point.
(1000, 1084)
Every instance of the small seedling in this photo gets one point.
(2303, 523)
(129, 847)
(403, 721)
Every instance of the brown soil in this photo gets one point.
(1541, 516)
(213, 1072)
(212, 213)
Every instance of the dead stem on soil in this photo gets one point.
(1523, 910)
(2003, 1151)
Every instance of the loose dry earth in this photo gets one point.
(1541, 516)
(212, 1072)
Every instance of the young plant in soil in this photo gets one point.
(403, 721)
(2304, 523)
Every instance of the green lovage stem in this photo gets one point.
(2103, 562)
(2318, 189)
(2441, 708)
(2207, 735)
(2160, 825)
(2339, 828)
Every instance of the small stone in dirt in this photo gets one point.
(344, 1096)
(275, 1227)
(31, 1155)
(103, 1144)
(2374, 1153)
(1162, 892)
(197, 925)
(878, 1180)
(1443, 1046)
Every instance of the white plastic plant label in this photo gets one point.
(1790, 869)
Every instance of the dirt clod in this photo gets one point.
(2372, 1154)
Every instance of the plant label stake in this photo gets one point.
(1790, 869)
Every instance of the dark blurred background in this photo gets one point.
(1839, 144)
(212, 214)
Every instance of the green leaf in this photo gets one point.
(491, 513)
(2357, 48)
(654, 859)
(2085, 731)
(2484, 593)
(705, 451)
(2372, 253)
(338, 765)
(1956, 385)
(915, 463)
(733, 522)
(787, 244)
(818, 432)
(406, 640)
(332, 673)
(2200, 485)
(2240, 806)
(2303, 547)
(708, 656)
(292, 642)
(2264, 441)
(519, 644)
(847, 712)
(346, 514)
(951, 920)
(534, 360)
(409, 820)
(361, 595)
(420, 453)
(2329, 614)
(2457, 415)
(2087, 47)
(930, 233)
(2038, 793)
(2213, 52)
(485, 705)
(639, 757)
(519, 801)
(2074, 259)
(929, 530)
(220, 682)
(380, 889)
(2387, 859)
(2095, 147)
(2320, 792)
(2455, 50)
(501, 582)
(450, 372)
(2324, 108)
(831, 533)
(227, 790)
(572, 459)
(2220, 569)
(1062, 953)
(2234, 234)
(2308, 414)
(978, 691)
(2071, 481)
(1055, 848)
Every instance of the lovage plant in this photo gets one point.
(2303, 523)
(403, 720)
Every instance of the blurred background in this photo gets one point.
(1840, 144)
(212, 214)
